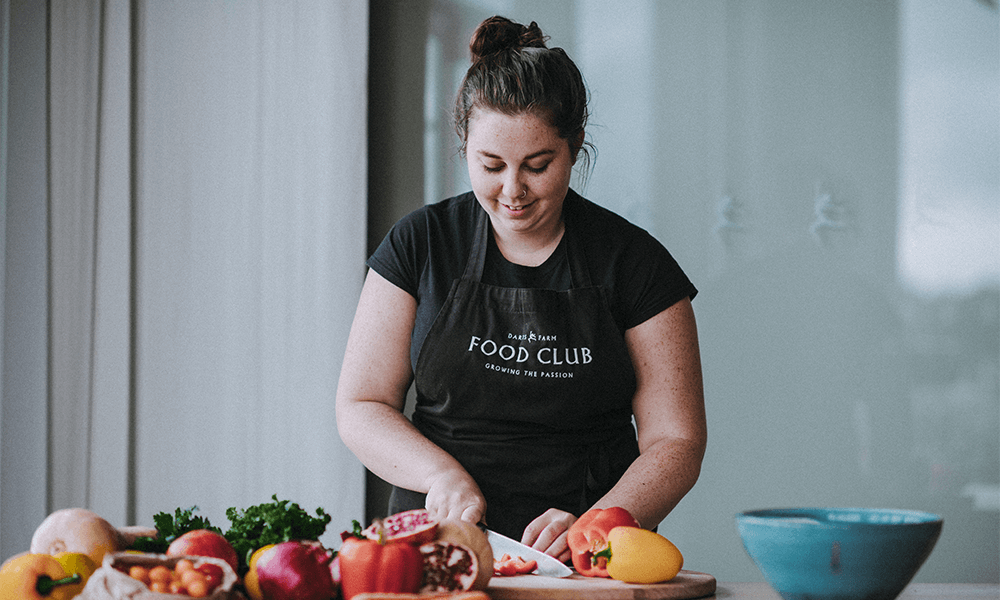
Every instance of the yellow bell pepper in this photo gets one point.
(637, 555)
(250, 583)
(76, 563)
(36, 577)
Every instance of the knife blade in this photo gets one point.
(547, 565)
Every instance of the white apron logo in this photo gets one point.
(531, 336)
(543, 356)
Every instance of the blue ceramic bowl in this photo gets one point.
(838, 553)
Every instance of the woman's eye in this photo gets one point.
(529, 168)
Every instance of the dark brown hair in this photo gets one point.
(514, 72)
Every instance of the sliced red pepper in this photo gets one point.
(524, 567)
(588, 536)
(507, 566)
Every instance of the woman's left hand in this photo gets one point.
(547, 533)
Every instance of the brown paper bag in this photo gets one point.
(111, 581)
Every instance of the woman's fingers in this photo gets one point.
(548, 532)
(456, 496)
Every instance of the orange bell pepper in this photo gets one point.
(36, 577)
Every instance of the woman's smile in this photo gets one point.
(519, 209)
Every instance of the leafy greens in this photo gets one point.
(170, 527)
(271, 523)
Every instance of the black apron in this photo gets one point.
(529, 389)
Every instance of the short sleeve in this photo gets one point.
(397, 256)
(651, 281)
(641, 276)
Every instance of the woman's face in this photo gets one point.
(520, 171)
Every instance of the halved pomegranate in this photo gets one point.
(448, 567)
(411, 526)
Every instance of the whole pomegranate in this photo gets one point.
(412, 526)
(204, 542)
(296, 570)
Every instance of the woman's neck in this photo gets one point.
(529, 250)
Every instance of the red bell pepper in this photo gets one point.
(368, 566)
(588, 536)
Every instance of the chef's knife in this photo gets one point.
(547, 565)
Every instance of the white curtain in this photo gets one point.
(206, 233)
(251, 204)
(89, 217)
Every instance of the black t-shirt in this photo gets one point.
(428, 249)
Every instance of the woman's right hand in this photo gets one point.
(453, 494)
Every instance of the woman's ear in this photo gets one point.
(575, 145)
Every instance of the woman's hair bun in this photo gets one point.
(498, 34)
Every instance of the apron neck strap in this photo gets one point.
(477, 257)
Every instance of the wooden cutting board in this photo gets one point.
(686, 585)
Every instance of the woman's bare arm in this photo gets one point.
(669, 409)
(371, 395)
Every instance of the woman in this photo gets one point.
(533, 323)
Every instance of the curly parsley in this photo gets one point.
(170, 527)
(271, 523)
